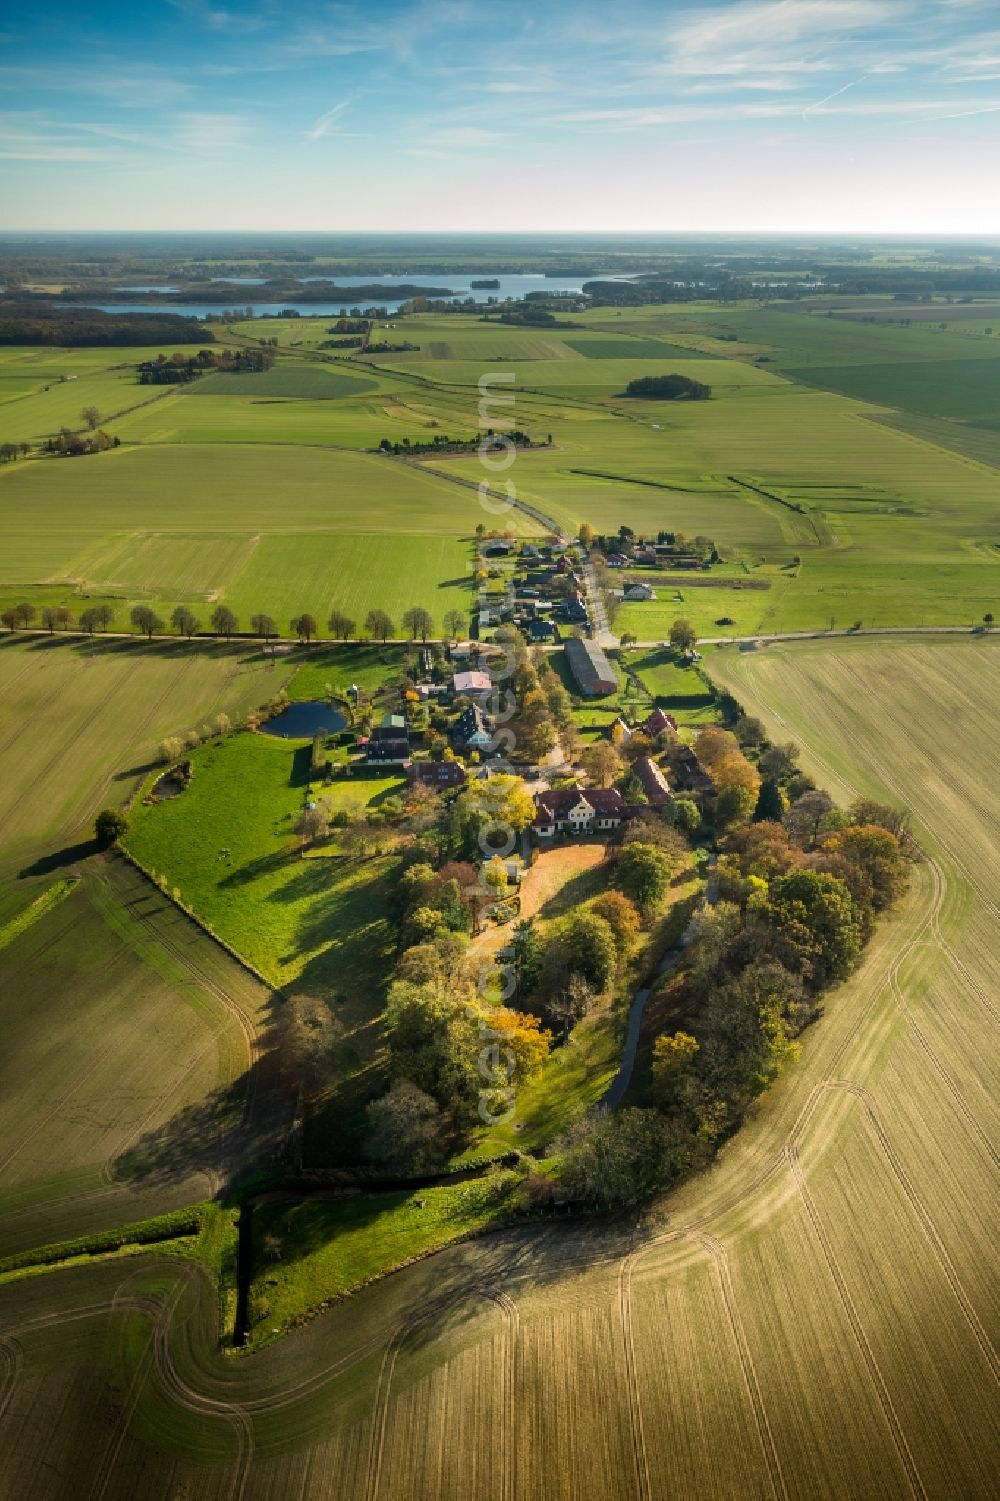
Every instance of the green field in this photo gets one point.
(891, 518)
(284, 380)
(846, 1351)
(967, 389)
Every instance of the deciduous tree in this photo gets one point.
(185, 621)
(602, 763)
(146, 621)
(419, 622)
(378, 625)
(683, 635)
(224, 622)
(341, 626)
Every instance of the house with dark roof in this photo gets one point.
(652, 781)
(637, 591)
(537, 631)
(573, 612)
(389, 742)
(470, 731)
(659, 721)
(578, 811)
(688, 773)
(591, 669)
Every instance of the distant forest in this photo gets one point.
(84, 327)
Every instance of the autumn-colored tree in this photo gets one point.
(304, 627)
(622, 917)
(602, 763)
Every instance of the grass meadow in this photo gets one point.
(836, 1350)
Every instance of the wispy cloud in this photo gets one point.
(125, 86)
(203, 132)
(326, 123)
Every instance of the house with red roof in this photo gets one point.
(659, 721)
(652, 781)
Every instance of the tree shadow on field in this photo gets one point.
(59, 859)
(234, 1130)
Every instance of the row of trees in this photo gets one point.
(379, 626)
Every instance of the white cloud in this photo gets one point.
(324, 125)
(199, 131)
(778, 35)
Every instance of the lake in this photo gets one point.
(303, 720)
(510, 286)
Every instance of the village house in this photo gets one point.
(436, 774)
(470, 731)
(472, 684)
(539, 631)
(578, 811)
(590, 668)
(688, 773)
(573, 611)
(657, 722)
(620, 732)
(639, 591)
(652, 781)
(389, 742)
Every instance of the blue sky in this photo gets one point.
(848, 115)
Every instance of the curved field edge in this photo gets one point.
(812, 1317)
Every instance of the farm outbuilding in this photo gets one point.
(590, 667)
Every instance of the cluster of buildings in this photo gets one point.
(544, 589)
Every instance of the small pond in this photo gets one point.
(304, 720)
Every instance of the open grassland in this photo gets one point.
(229, 488)
(811, 1318)
(890, 515)
(183, 522)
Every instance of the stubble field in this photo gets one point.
(815, 1316)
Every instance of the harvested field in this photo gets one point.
(812, 1318)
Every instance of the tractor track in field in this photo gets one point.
(512, 1340)
(12, 1359)
(919, 1209)
(130, 1401)
(772, 1460)
(643, 1482)
(92, 798)
(202, 978)
(15, 678)
(861, 1339)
